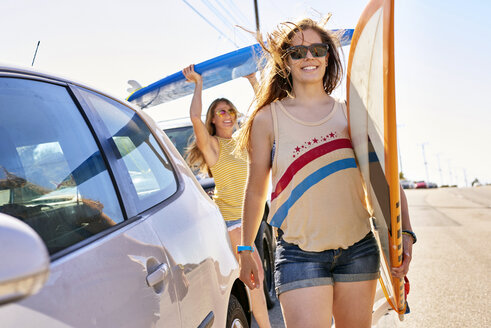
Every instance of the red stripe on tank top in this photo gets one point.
(305, 159)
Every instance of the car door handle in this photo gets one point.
(158, 275)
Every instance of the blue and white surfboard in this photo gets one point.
(214, 71)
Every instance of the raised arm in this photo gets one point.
(256, 192)
(253, 81)
(206, 143)
(407, 240)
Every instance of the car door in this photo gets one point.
(188, 225)
(59, 175)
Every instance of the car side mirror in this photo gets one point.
(24, 260)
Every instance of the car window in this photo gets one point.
(150, 171)
(181, 137)
(52, 175)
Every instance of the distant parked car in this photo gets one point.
(102, 224)
(432, 185)
(420, 184)
(407, 184)
(180, 132)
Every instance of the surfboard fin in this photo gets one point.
(134, 86)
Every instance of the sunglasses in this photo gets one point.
(300, 52)
(222, 112)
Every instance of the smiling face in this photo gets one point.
(309, 69)
(224, 116)
(221, 109)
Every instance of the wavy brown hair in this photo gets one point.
(194, 156)
(277, 83)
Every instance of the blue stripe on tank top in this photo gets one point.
(306, 184)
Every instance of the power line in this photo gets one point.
(217, 13)
(209, 23)
(231, 13)
(224, 17)
(236, 9)
(237, 16)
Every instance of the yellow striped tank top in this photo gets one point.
(230, 174)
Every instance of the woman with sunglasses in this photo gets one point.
(211, 152)
(327, 260)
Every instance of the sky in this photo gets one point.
(442, 54)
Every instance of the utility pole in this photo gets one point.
(465, 177)
(399, 149)
(426, 164)
(450, 173)
(256, 11)
(439, 169)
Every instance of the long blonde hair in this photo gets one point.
(278, 82)
(194, 156)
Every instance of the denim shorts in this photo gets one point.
(295, 268)
(233, 224)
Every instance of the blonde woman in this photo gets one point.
(211, 152)
(327, 260)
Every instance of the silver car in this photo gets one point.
(180, 132)
(101, 222)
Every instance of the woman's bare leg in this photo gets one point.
(353, 303)
(307, 307)
(258, 300)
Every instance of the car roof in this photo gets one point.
(8, 69)
(22, 70)
(182, 122)
(174, 123)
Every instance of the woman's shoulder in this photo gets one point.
(342, 104)
(214, 145)
(264, 116)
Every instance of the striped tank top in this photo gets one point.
(230, 174)
(317, 200)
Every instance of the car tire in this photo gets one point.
(265, 248)
(236, 317)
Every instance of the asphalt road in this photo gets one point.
(449, 274)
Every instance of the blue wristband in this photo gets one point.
(241, 248)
